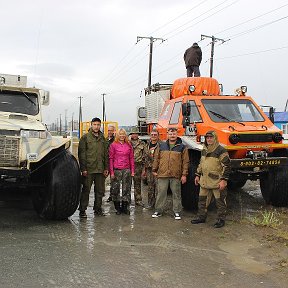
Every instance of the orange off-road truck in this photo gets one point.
(196, 105)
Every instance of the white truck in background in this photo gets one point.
(30, 157)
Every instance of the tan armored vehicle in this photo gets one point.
(30, 157)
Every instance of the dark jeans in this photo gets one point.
(193, 69)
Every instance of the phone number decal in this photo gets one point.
(260, 162)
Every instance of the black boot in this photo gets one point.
(125, 208)
(220, 223)
(198, 220)
(117, 207)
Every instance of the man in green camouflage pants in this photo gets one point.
(138, 148)
(151, 146)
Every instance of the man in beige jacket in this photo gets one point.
(212, 175)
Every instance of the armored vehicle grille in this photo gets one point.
(9, 151)
(255, 138)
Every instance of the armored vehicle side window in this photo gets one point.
(231, 110)
(194, 115)
(19, 102)
(176, 113)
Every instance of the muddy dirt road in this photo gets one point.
(138, 251)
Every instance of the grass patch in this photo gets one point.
(267, 219)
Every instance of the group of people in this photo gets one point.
(160, 164)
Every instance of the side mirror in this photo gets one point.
(45, 97)
(186, 109)
(271, 114)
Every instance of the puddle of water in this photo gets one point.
(238, 254)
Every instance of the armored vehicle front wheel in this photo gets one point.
(58, 196)
(274, 186)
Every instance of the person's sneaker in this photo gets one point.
(220, 223)
(109, 199)
(198, 221)
(177, 216)
(82, 214)
(156, 215)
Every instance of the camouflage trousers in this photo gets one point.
(152, 187)
(220, 197)
(122, 178)
(137, 182)
(99, 189)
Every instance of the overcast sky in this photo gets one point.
(86, 48)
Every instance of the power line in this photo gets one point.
(249, 20)
(169, 22)
(253, 53)
(194, 18)
(256, 28)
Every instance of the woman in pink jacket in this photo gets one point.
(121, 160)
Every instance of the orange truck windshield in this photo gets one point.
(232, 110)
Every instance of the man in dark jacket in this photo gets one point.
(170, 166)
(93, 160)
(193, 58)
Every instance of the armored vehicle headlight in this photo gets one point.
(42, 134)
(277, 137)
(33, 134)
(234, 138)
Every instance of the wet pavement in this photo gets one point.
(136, 250)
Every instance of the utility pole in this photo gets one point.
(60, 125)
(214, 39)
(65, 121)
(152, 39)
(80, 115)
(72, 122)
(103, 112)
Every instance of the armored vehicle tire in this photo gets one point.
(274, 186)
(235, 184)
(190, 192)
(58, 198)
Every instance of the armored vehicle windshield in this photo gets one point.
(19, 102)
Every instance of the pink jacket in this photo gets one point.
(121, 157)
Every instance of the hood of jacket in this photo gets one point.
(212, 147)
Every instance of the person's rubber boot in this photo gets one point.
(125, 209)
(219, 224)
(198, 220)
(117, 207)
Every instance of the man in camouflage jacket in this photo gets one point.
(150, 148)
(212, 175)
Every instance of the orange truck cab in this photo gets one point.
(196, 105)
